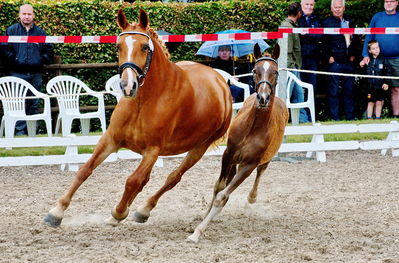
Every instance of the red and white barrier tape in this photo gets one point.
(200, 37)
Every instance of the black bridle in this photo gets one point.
(141, 73)
(265, 81)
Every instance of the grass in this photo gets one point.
(37, 151)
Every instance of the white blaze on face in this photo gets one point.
(266, 67)
(130, 45)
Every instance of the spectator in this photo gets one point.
(389, 47)
(339, 51)
(310, 43)
(225, 62)
(294, 58)
(377, 67)
(25, 60)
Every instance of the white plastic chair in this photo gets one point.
(296, 106)
(113, 85)
(233, 81)
(67, 90)
(12, 93)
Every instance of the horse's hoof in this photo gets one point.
(194, 238)
(139, 217)
(112, 221)
(52, 221)
(251, 200)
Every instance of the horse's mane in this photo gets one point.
(154, 35)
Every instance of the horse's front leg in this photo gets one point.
(253, 194)
(134, 184)
(221, 199)
(104, 148)
(143, 212)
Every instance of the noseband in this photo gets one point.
(265, 81)
(141, 73)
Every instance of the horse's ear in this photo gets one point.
(122, 21)
(257, 51)
(144, 21)
(276, 52)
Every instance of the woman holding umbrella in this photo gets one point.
(225, 50)
(225, 62)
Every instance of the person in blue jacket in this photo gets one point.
(388, 45)
(310, 43)
(26, 60)
(339, 52)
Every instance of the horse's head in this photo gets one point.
(135, 52)
(265, 74)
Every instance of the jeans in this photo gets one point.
(347, 90)
(309, 63)
(297, 95)
(237, 93)
(31, 105)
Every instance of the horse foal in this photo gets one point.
(255, 136)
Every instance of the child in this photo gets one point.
(376, 87)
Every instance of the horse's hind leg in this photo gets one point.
(229, 169)
(104, 147)
(254, 191)
(221, 199)
(143, 212)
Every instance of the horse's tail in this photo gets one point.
(218, 142)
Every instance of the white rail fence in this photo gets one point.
(318, 146)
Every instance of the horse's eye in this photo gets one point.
(146, 47)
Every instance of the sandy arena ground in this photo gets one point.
(344, 210)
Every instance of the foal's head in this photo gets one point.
(135, 52)
(265, 74)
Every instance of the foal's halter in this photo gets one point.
(265, 81)
(141, 73)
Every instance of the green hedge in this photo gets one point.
(95, 17)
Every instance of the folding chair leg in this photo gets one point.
(57, 126)
(295, 116)
(312, 115)
(103, 125)
(2, 128)
(31, 128)
(49, 127)
(85, 126)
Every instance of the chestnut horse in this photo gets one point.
(255, 136)
(167, 109)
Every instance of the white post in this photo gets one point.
(282, 63)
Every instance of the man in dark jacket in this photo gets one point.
(310, 43)
(339, 52)
(26, 60)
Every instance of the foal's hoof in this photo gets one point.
(139, 217)
(52, 221)
(194, 237)
(251, 200)
(112, 221)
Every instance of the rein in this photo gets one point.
(141, 73)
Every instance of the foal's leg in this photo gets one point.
(229, 169)
(254, 191)
(221, 199)
(143, 212)
(104, 148)
(134, 185)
